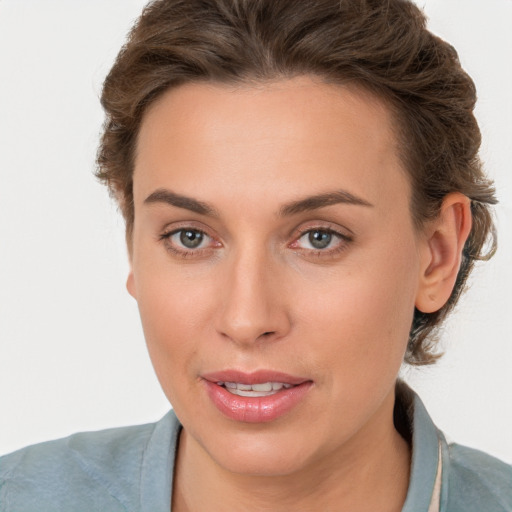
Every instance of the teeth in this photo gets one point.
(255, 390)
(265, 386)
(280, 385)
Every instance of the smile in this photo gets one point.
(258, 397)
(254, 390)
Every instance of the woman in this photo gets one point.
(303, 203)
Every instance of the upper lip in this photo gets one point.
(257, 377)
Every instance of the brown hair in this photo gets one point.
(381, 45)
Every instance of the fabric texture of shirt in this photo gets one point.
(130, 469)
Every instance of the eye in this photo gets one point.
(318, 239)
(187, 242)
(189, 238)
(321, 242)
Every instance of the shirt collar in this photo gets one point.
(157, 471)
(426, 465)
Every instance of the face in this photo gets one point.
(276, 266)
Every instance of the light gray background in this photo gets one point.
(72, 355)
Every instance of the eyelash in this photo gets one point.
(343, 241)
(184, 253)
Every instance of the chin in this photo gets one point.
(271, 464)
(258, 454)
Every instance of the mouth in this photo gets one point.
(254, 390)
(255, 397)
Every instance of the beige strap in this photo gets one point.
(435, 502)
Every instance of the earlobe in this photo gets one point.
(130, 285)
(446, 236)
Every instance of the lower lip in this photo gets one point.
(260, 409)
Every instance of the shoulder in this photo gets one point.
(446, 476)
(96, 470)
(477, 481)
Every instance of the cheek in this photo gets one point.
(172, 309)
(362, 316)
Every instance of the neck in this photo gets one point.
(371, 472)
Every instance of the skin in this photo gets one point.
(339, 316)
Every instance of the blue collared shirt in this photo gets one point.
(130, 469)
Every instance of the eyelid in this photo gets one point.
(329, 227)
(175, 227)
(344, 235)
(172, 229)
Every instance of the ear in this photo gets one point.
(130, 283)
(444, 240)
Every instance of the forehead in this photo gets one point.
(291, 135)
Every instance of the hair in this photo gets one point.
(380, 45)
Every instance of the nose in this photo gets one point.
(252, 300)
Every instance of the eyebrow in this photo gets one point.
(321, 201)
(188, 203)
(302, 205)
